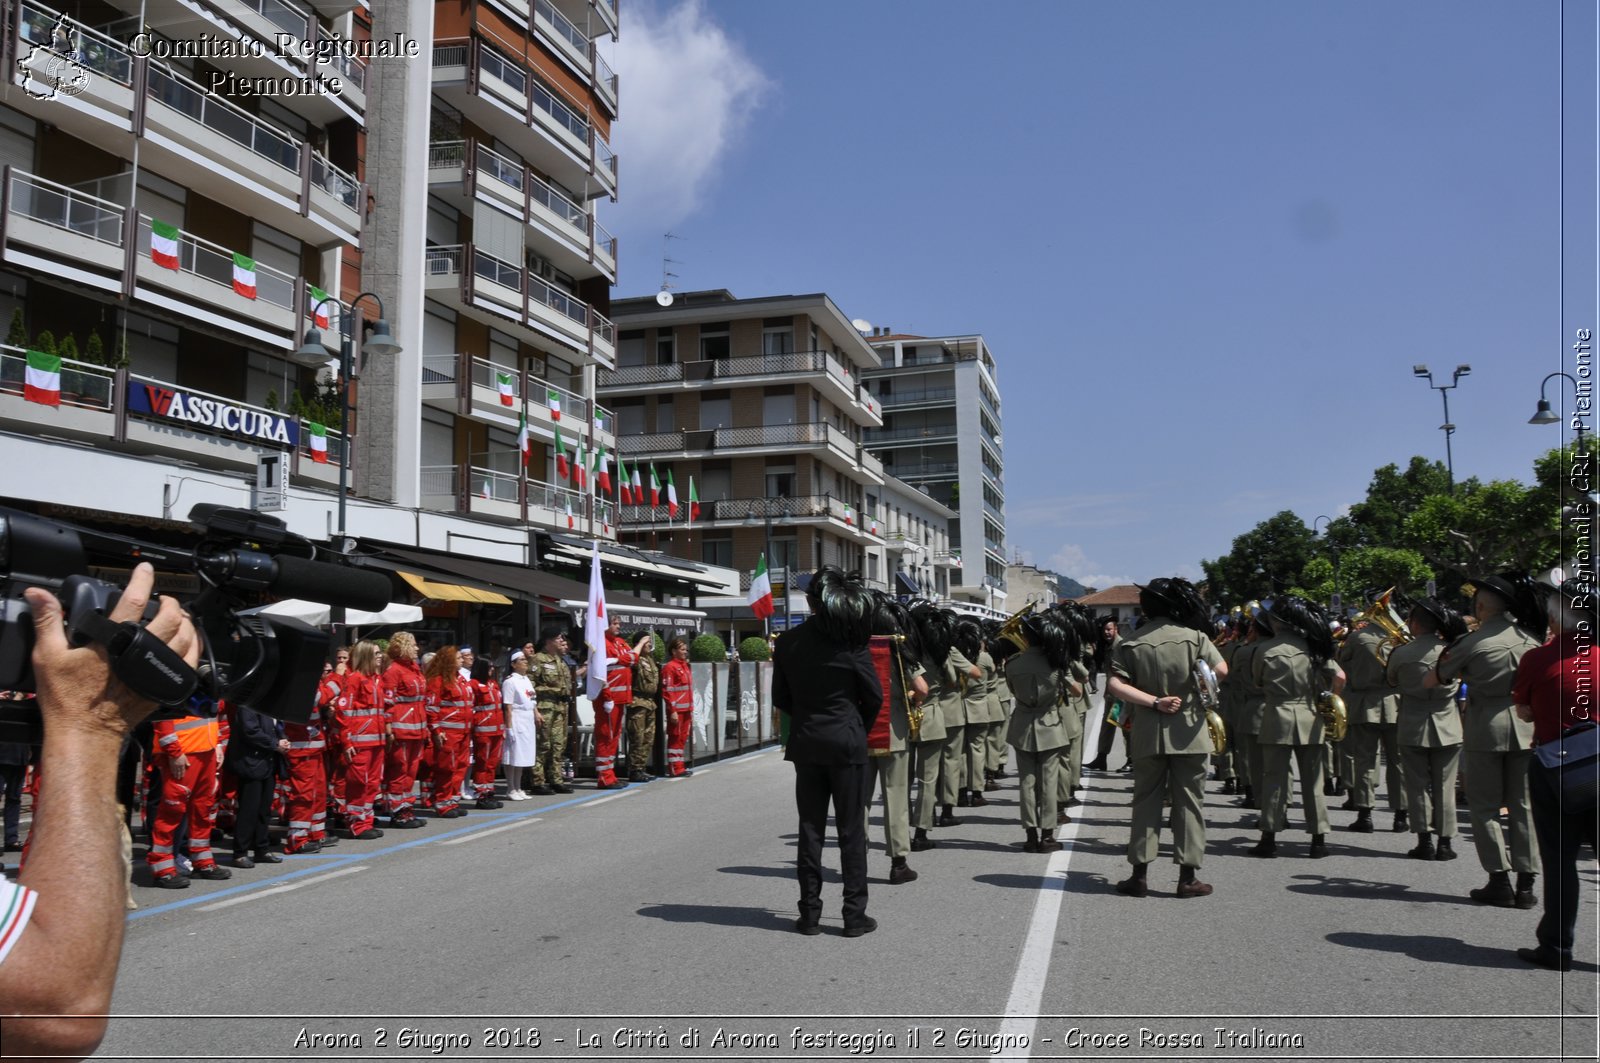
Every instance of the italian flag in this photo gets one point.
(761, 590)
(488, 491)
(524, 444)
(655, 487)
(579, 473)
(638, 486)
(849, 515)
(502, 384)
(874, 526)
(602, 470)
(569, 514)
(553, 397)
(694, 502)
(319, 306)
(163, 244)
(44, 379)
(319, 442)
(672, 496)
(624, 485)
(244, 275)
(562, 471)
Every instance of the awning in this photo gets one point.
(451, 592)
(624, 559)
(317, 614)
(906, 583)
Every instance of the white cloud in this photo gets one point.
(1070, 560)
(688, 90)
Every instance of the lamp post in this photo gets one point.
(1447, 428)
(1335, 600)
(1544, 415)
(312, 353)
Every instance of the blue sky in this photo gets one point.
(1206, 242)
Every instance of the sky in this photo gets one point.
(1205, 242)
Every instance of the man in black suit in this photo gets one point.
(823, 677)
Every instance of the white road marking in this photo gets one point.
(1038, 945)
(613, 797)
(285, 888)
(475, 835)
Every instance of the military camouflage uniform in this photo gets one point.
(552, 686)
(641, 723)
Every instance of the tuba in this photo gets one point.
(1205, 682)
(1011, 631)
(1382, 615)
(1330, 707)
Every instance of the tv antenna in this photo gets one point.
(664, 296)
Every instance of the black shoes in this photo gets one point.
(1266, 847)
(866, 926)
(267, 856)
(370, 834)
(172, 882)
(212, 872)
(1546, 957)
(1525, 897)
(543, 791)
(900, 874)
(920, 841)
(1189, 886)
(947, 819)
(1097, 764)
(406, 822)
(1402, 822)
(1363, 823)
(1030, 843)
(965, 800)
(1230, 786)
(1497, 891)
(1319, 847)
(807, 925)
(1424, 849)
(488, 804)
(639, 776)
(976, 799)
(559, 788)
(1445, 852)
(1134, 885)
(1048, 843)
(243, 862)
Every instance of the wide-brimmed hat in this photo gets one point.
(1522, 600)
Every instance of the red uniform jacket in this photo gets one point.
(487, 716)
(677, 686)
(619, 679)
(358, 719)
(405, 698)
(450, 707)
(310, 738)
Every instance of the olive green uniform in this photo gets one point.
(932, 737)
(997, 731)
(1250, 701)
(959, 710)
(1291, 726)
(1169, 750)
(552, 686)
(642, 713)
(1429, 733)
(1497, 746)
(1077, 706)
(1372, 709)
(1228, 764)
(979, 718)
(1042, 727)
(891, 770)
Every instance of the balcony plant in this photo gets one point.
(17, 336)
(71, 379)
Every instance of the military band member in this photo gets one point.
(1244, 733)
(935, 629)
(970, 752)
(993, 676)
(1000, 710)
(1497, 744)
(1373, 707)
(1080, 703)
(1152, 671)
(1429, 727)
(1293, 669)
(1042, 724)
(889, 741)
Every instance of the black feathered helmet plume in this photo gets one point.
(1524, 605)
(1177, 600)
(969, 638)
(890, 618)
(1084, 627)
(1054, 638)
(936, 628)
(841, 605)
(1444, 620)
(1307, 620)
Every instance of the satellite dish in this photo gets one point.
(664, 297)
(861, 324)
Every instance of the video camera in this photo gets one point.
(268, 663)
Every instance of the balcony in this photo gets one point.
(64, 232)
(749, 512)
(905, 400)
(819, 368)
(927, 470)
(202, 287)
(921, 435)
(492, 486)
(470, 386)
(88, 400)
(508, 99)
(495, 291)
(188, 134)
(947, 559)
(464, 171)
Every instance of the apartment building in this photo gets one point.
(189, 187)
(760, 402)
(941, 433)
(915, 559)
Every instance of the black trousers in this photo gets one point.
(846, 786)
(1562, 832)
(250, 825)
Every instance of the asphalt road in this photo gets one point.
(655, 923)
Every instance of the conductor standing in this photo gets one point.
(823, 677)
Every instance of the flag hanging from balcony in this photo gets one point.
(579, 470)
(602, 470)
(672, 497)
(694, 502)
(43, 383)
(655, 487)
(319, 306)
(562, 471)
(524, 444)
(502, 384)
(761, 590)
(163, 244)
(319, 442)
(624, 485)
(638, 486)
(244, 275)
(554, 398)
(849, 515)
(569, 514)
(874, 525)
(488, 490)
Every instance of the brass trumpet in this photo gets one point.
(1382, 615)
(1330, 707)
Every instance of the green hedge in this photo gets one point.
(708, 648)
(755, 648)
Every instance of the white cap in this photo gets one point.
(518, 655)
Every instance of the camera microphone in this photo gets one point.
(295, 577)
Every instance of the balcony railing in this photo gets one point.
(446, 55)
(604, 241)
(796, 507)
(651, 443)
(772, 435)
(66, 208)
(907, 398)
(604, 158)
(604, 75)
(443, 261)
(630, 375)
(446, 154)
(95, 51)
(214, 263)
(561, 25)
(886, 435)
(82, 384)
(927, 468)
(225, 119)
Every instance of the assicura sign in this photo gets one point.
(207, 414)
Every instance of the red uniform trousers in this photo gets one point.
(488, 737)
(363, 775)
(194, 794)
(448, 763)
(607, 735)
(404, 763)
(678, 723)
(306, 807)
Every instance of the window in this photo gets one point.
(664, 415)
(715, 482)
(630, 417)
(785, 552)
(716, 410)
(780, 481)
(777, 406)
(717, 550)
(666, 348)
(714, 340)
(630, 347)
(777, 335)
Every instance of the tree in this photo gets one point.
(1484, 528)
(1265, 561)
(18, 335)
(1379, 520)
(94, 349)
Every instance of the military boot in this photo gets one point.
(1445, 852)
(921, 841)
(1402, 821)
(1267, 846)
(1048, 843)
(1363, 823)
(1497, 891)
(1031, 845)
(1424, 849)
(1135, 885)
(1525, 897)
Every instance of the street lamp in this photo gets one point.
(1544, 415)
(313, 354)
(1335, 600)
(1447, 428)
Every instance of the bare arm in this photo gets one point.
(65, 963)
(1121, 690)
